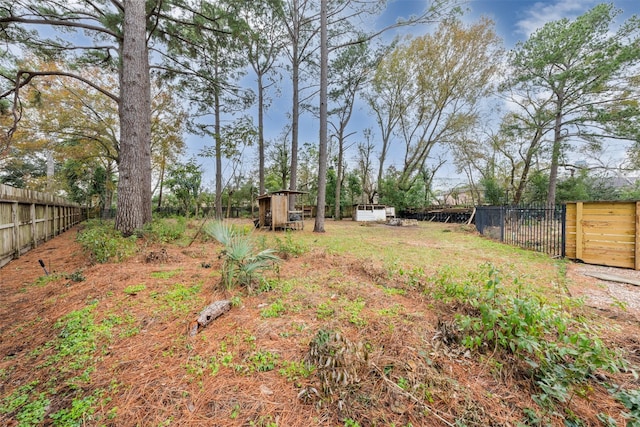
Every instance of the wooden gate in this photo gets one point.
(604, 233)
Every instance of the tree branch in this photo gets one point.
(58, 23)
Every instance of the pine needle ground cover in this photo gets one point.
(359, 326)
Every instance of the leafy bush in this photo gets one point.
(631, 400)
(104, 243)
(561, 349)
(240, 266)
(165, 230)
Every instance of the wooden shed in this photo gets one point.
(274, 212)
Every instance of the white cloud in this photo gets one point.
(542, 12)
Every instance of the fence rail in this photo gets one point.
(538, 228)
(28, 218)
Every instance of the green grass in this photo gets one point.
(134, 289)
(165, 274)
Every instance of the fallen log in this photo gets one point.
(208, 315)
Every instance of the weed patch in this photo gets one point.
(165, 230)
(561, 350)
(275, 309)
(180, 298)
(104, 244)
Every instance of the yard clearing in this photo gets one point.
(358, 326)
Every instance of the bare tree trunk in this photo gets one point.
(295, 108)
(261, 189)
(295, 113)
(162, 167)
(134, 184)
(555, 154)
(322, 152)
(229, 193)
(218, 142)
(339, 175)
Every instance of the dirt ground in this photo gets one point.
(153, 377)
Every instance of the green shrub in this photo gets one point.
(561, 349)
(165, 230)
(240, 264)
(104, 243)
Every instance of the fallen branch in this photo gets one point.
(410, 396)
(208, 315)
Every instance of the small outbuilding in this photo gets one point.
(274, 212)
(372, 212)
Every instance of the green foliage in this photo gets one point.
(165, 274)
(73, 350)
(165, 230)
(561, 350)
(240, 264)
(393, 291)
(287, 247)
(81, 411)
(44, 280)
(76, 341)
(631, 400)
(494, 194)
(537, 188)
(261, 361)
(391, 311)
(32, 413)
(353, 310)
(77, 276)
(185, 181)
(295, 371)
(180, 297)
(104, 243)
(20, 171)
(325, 311)
(583, 186)
(134, 289)
(275, 309)
(400, 194)
(574, 62)
(18, 399)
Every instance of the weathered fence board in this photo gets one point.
(604, 233)
(28, 218)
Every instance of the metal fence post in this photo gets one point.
(502, 224)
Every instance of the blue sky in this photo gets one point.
(515, 20)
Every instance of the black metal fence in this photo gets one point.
(539, 228)
(446, 214)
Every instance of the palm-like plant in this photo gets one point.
(240, 265)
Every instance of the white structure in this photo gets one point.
(369, 212)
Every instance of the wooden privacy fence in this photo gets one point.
(604, 233)
(28, 218)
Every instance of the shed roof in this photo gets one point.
(281, 193)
